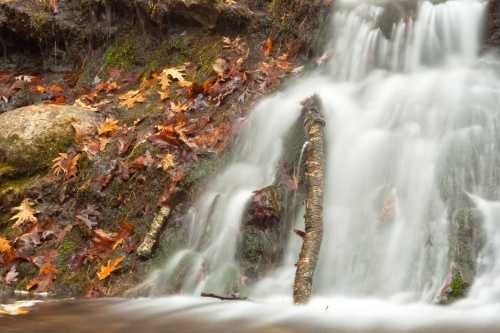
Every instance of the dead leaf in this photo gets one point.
(108, 127)
(25, 213)
(167, 162)
(179, 106)
(109, 268)
(66, 164)
(131, 98)
(268, 47)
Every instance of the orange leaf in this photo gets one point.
(108, 127)
(268, 47)
(109, 268)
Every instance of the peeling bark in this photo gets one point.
(145, 250)
(314, 182)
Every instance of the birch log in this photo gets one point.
(314, 182)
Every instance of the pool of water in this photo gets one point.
(191, 315)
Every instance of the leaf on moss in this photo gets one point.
(109, 268)
(25, 213)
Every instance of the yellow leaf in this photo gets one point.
(179, 107)
(108, 127)
(110, 267)
(167, 162)
(176, 73)
(132, 97)
(164, 95)
(25, 213)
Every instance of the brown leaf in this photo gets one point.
(268, 47)
(66, 164)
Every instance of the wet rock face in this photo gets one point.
(466, 238)
(30, 137)
(493, 33)
(262, 241)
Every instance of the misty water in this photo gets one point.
(412, 105)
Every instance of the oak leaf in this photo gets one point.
(25, 213)
(109, 268)
(131, 98)
(108, 127)
(66, 164)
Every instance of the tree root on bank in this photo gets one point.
(314, 182)
(145, 250)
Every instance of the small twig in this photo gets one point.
(224, 298)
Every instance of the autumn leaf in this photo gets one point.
(164, 95)
(55, 89)
(108, 127)
(179, 107)
(109, 268)
(12, 275)
(58, 100)
(220, 66)
(66, 164)
(124, 232)
(131, 98)
(6, 249)
(167, 162)
(25, 213)
(89, 216)
(176, 73)
(106, 87)
(268, 47)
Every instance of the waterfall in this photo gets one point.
(412, 111)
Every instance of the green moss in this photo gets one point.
(37, 156)
(457, 286)
(17, 186)
(122, 54)
(6, 170)
(38, 19)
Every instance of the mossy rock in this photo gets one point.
(31, 137)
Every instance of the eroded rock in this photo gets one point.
(31, 137)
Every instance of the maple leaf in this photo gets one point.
(177, 73)
(179, 107)
(108, 127)
(66, 164)
(25, 213)
(109, 268)
(167, 162)
(131, 98)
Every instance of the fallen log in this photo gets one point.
(314, 182)
(145, 250)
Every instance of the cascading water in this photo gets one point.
(412, 116)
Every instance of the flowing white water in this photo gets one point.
(412, 117)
